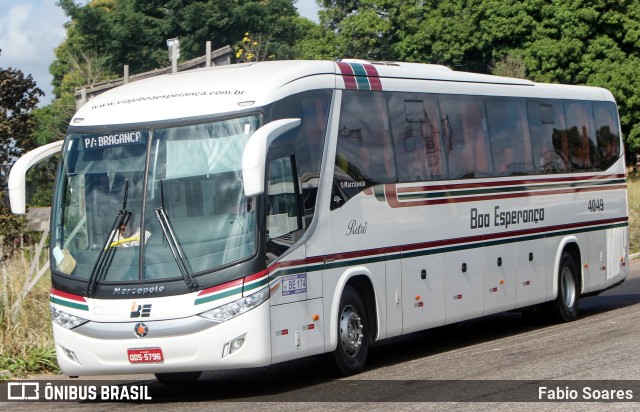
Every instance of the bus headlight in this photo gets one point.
(66, 320)
(231, 310)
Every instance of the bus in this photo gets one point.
(250, 214)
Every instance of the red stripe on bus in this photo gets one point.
(449, 242)
(347, 75)
(66, 295)
(256, 276)
(506, 183)
(374, 77)
(228, 285)
(396, 203)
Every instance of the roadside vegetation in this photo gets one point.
(26, 342)
(633, 186)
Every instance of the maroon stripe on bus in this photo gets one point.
(347, 75)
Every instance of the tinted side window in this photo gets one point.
(510, 142)
(417, 142)
(364, 153)
(548, 136)
(607, 133)
(464, 136)
(581, 135)
(305, 141)
(284, 220)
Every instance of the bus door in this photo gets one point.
(296, 303)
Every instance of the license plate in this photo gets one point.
(292, 285)
(146, 355)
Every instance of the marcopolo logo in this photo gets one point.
(141, 330)
(140, 311)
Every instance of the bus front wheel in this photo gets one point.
(565, 307)
(353, 328)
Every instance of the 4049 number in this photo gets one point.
(596, 205)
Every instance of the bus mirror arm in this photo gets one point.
(17, 176)
(254, 156)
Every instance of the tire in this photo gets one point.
(178, 378)
(351, 352)
(565, 307)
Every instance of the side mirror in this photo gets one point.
(17, 183)
(254, 156)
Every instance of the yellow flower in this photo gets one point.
(239, 53)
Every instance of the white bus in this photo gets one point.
(250, 214)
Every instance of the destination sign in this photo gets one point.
(112, 140)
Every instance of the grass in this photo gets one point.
(26, 341)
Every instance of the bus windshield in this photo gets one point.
(153, 204)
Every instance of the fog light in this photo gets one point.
(233, 346)
(70, 354)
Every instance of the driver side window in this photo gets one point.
(283, 202)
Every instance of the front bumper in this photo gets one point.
(190, 348)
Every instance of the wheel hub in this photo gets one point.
(350, 331)
(568, 288)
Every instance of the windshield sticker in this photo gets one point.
(112, 140)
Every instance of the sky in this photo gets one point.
(30, 30)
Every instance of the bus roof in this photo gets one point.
(227, 89)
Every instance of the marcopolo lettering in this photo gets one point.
(138, 291)
(347, 184)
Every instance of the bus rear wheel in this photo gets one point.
(565, 307)
(353, 327)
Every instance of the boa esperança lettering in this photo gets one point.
(504, 218)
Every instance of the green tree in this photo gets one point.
(364, 29)
(134, 32)
(51, 121)
(18, 96)
(575, 42)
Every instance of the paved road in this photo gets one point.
(500, 357)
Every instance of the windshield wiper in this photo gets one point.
(174, 245)
(106, 251)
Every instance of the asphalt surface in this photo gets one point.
(496, 363)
